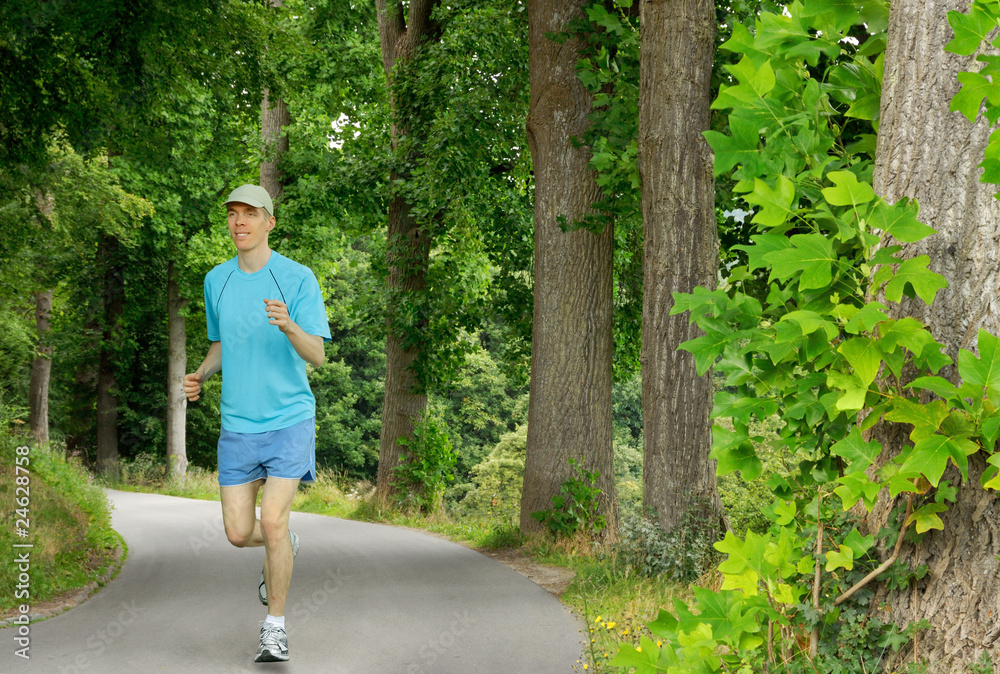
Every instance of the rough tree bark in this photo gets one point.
(930, 154)
(408, 250)
(176, 367)
(107, 384)
(678, 212)
(569, 413)
(41, 370)
(274, 118)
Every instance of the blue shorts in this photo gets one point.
(286, 453)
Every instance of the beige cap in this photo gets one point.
(252, 195)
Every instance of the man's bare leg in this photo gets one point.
(239, 514)
(275, 506)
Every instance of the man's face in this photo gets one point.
(248, 226)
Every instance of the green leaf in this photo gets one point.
(811, 256)
(936, 385)
(867, 318)
(854, 390)
(644, 660)
(985, 370)
(785, 511)
(990, 431)
(858, 543)
(741, 407)
(754, 84)
(856, 452)
(848, 191)
(900, 221)
(864, 356)
(734, 451)
(930, 456)
(914, 273)
(809, 322)
(841, 558)
(855, 487)
(705, 350)
(664, 625)
(970, 30)
(925, 418)
(991, 476)
(736, 149)
(926, 517)
(745, 563)
(763, 244)
(844, 12)
(775, 204)
(969, 98)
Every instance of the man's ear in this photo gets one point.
(270, 223)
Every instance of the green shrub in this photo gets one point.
(575, 507)
(427, 467)
(683, 554)
(498, 479)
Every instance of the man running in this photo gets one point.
(266, 320)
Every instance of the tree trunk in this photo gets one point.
(930, 154)
(41, 371)
(407, 252)
(569, 412)
(678, 212)
(273, 118)
(176, 367)
(107, 383)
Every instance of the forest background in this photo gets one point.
(502, 213)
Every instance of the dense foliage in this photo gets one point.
(817, 348)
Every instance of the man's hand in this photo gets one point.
(277, 314)
(192, 385)
(309, 347)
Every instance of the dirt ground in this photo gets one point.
(555, 579)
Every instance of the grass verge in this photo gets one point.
(68, 523)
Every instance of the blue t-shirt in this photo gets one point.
(264, 384)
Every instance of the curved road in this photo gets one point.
(365, 599)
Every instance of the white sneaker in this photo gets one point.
(273, 644)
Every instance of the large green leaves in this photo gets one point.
(810, 259)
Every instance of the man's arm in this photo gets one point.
(309, 347)
(208, 367)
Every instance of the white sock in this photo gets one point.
(278, 620)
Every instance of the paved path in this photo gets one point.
(365, 599)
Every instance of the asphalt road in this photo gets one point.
(365, 599)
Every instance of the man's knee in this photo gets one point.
(238, 537)
(273, 527)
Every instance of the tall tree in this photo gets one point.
(569, 415)
(681, 247)
(928, 153)
(177, 460)
(408, 246)
(41, 370)
(113, 307)
(274, 118)
(41, 364)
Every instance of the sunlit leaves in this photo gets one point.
(754, 83)
(914, 278)
(848, 191)
(775, 204)
(810, 258)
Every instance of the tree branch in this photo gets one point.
(887, 563)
